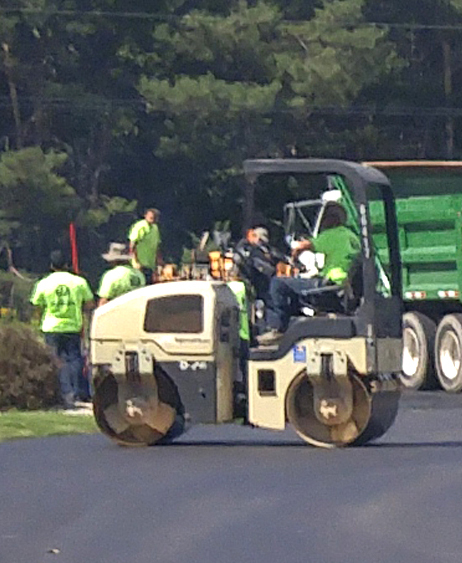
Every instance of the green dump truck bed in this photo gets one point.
(429, 208)
(430, 236)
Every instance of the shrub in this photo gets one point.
(14, 296)
(28, 371)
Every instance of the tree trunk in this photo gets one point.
(8, 64)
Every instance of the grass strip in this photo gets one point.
(33, 424)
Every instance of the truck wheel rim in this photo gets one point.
(450, 355)
(411, 352)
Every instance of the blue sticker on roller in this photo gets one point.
(299, 354)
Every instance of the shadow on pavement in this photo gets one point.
(234, 443)
(271, 444)
(445, 444)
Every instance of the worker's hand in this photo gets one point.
(136, 264)
(300, 246)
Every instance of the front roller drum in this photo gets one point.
(372, 412)
(134, 415)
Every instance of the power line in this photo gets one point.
(175, 17)
(92, 13)
(111, 103)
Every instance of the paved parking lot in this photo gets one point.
(232, 494)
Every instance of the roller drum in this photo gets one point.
(138, 414)
(374, 406)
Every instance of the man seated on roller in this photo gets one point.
(340, 246)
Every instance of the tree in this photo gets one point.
(66, 70)
(36, 202)
(247, 84)
(424, 95)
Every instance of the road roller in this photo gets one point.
(166, 356)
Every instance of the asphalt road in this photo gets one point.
(230, 494)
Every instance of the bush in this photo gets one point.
(14, 297)
(28, 371)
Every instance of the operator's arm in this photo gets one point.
(300, 246)
(105, 288)
(132, 249)
(136, 234)
(89, 305)
(159, 257)
(37, 299)
(88, 300)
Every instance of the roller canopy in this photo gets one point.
(356, 173)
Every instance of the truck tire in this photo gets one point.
(448, 353)
(418, 352)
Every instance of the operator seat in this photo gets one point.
(334, 298)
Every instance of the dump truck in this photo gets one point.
(428, 207)
(165, 356)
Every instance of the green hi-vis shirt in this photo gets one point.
(238, 288)
(146, 237)
(119, 280)
(340, 247)
(61, 296)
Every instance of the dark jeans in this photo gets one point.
(66, 347)
(285, 296)
(147, 273)
(243, 360)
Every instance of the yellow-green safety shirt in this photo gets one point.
(238, 288)
(119, 280)
(340, 246)
(146, 238)
(61, 295)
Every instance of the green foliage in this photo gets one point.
(206, 94)
(7, 226)
(335, 58)
(113, 110)
(31, 190)
(107, 208)
(28, 372)
(243, 84)
(14, 297)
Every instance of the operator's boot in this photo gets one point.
(270, 337)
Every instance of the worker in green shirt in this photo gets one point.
(239, 289)
(240, 293)
(340, 246)
(62, 296)
(145, 240)
(122, 277)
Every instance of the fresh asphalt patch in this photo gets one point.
(228, 494)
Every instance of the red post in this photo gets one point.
(74, 250)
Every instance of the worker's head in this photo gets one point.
(262, 235)
(334, 216)
(58, 261)
(234, 273)
(251, 236)
(152, 215)
(117, 254)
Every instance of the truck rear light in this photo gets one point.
(415, 294)
(448, 294)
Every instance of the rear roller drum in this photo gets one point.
(371, 415)
(134, 416)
